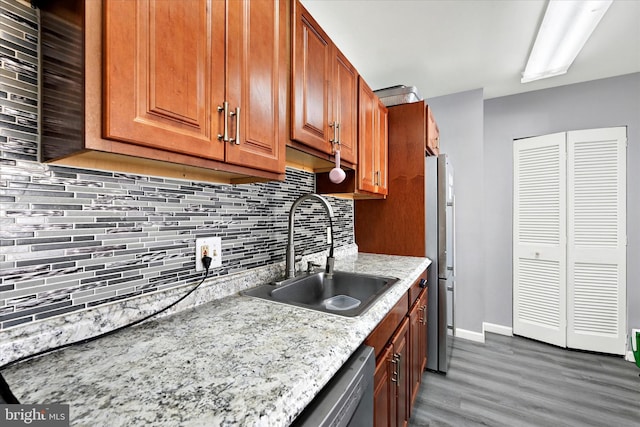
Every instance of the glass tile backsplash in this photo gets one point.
(75, 238)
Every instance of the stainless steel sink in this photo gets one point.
(346, 294)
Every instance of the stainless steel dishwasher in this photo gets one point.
(347, 400)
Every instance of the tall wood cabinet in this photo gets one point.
(324, 91)
(396, 225)
(200, 77)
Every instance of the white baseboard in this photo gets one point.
(503, 330)
(470, 335)
(497, 329)
(486, 327)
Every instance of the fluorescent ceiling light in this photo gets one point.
(566, 27)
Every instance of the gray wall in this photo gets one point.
(460, 119)
(478, 136)
(600, 103)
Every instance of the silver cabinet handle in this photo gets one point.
(337, 133)
(224, 107)
(395, 375)
(236, 113)
(398, 358)
(334, 139)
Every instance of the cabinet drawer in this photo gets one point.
(417, 287)
(381, 335)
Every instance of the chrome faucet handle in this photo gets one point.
(311, 265)
(297, 264)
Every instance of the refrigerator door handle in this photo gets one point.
(453, 233)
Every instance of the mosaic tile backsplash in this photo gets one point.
(74, 238)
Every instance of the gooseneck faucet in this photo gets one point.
(290, 261)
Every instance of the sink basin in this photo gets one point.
(347, 294)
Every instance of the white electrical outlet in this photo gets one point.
(209, 246)
(329, 235)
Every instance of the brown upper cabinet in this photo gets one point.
(174, 81)
(187, 88)
(370, 180)
(372, 134)
(324, 92)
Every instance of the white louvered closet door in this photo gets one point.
(596, 252)
(539, 244)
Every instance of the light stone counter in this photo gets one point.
(236, 361)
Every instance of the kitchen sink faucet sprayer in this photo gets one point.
(290, 261)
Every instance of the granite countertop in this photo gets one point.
(238, 360)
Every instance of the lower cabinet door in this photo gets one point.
(384, 393)
(418, 343)
(400, 342)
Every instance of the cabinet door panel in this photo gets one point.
(381, 150)
(400, 343)
(417, 343)
(384, 393)
(311, 74)
(366, 134)
(161, 87)
(256, 82)
(423, 335)
(345, 104)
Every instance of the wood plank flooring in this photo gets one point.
(514, 381)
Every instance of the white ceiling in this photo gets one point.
(450, 46)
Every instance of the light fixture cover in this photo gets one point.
(565, 28)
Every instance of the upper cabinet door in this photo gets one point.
(345, 106)
(372, 142)
(164, 70)
(367, 131)
(382, 149)
(311, 74)
(257, 74)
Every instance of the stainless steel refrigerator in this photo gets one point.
(439, 221)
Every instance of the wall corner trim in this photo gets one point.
(486, 327)
(470, 335)
(497, 329)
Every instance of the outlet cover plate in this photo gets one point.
(214, 246)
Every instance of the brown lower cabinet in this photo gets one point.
(400, 347)
(418, 338)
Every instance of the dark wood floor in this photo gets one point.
(514, 381)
